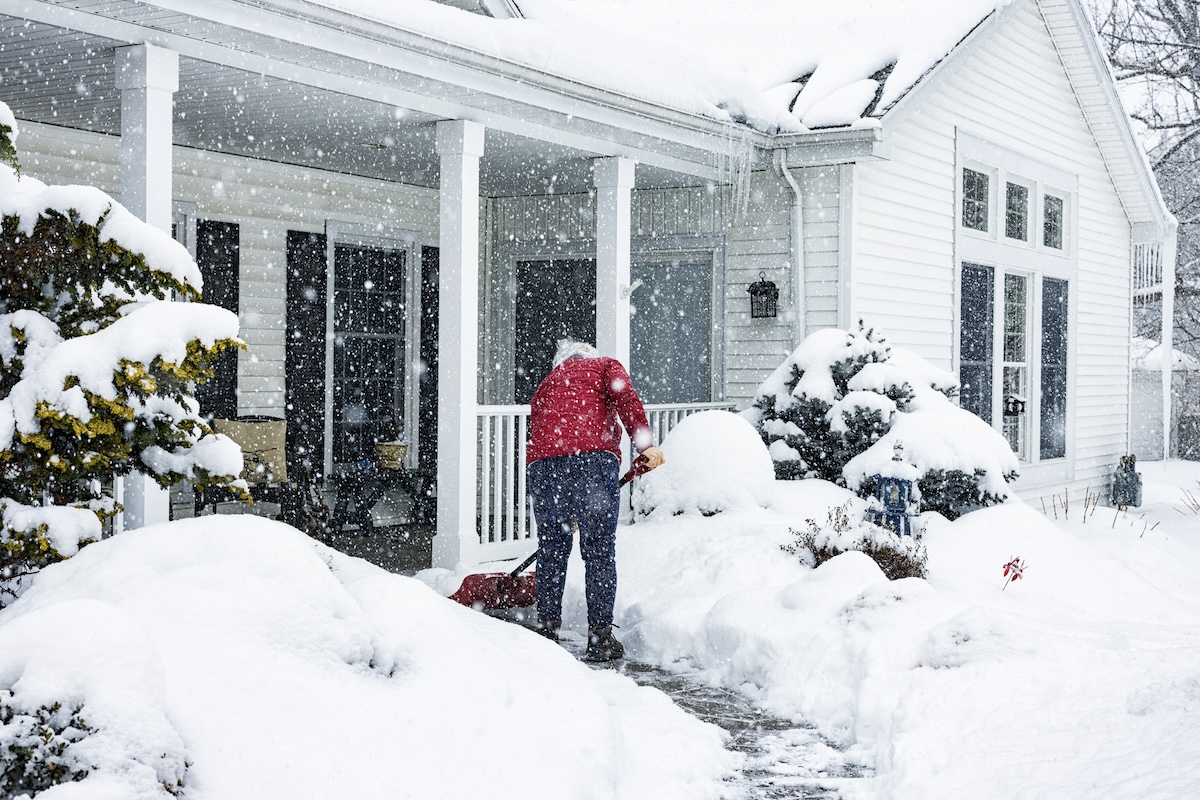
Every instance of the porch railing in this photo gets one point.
(505, 523)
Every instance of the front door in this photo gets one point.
(671, 329)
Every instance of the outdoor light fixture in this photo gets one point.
(764, 298)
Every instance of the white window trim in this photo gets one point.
(1033, 259)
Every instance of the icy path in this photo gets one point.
(781, 759)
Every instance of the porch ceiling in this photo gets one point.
(52, 74)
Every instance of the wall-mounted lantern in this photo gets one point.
(764, 298)
(1014, 405)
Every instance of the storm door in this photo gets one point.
(671, 330)
(556, 299)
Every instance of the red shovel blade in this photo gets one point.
(491, 590)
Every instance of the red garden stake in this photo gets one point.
(1013, 571)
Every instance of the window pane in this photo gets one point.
(1052, 223)
(671, 330)
(1053, 438)
(368, 353)
(975, 200)
(555, 299)
(1016, 218)
(975, 341)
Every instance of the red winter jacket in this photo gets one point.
(575, 410)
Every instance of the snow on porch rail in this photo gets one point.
(501, 496)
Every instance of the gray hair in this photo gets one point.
(569, 349)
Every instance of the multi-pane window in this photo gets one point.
(1016, 212)
(1015, 374)
(1053, 434)
(975, 196)
(1030, 371)
(368, 352)
(1052, 221)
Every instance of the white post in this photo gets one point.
(148, 77)
(460, 145)
(614, 199)
(1168, 331)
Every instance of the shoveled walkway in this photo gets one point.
(783, 760)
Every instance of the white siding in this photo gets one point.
(267, 200)
(1013, 92)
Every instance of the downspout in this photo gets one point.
(796, 281)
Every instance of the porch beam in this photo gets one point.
(614, 178)
(460, 146)
(148, 78)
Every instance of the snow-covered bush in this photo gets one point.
(98, 364)
(839, 405)
(36, 747)
(897, 556)
(715, 462)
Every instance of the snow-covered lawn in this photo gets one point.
(277, 668)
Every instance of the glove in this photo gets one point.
(653, 458)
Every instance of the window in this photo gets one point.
(1016, 363)
(1053, 439)
(671, 330)
(1052, 222)
(975, 341)
(368, 348)
(1016, 216)
(975, 200)
(1015, 357)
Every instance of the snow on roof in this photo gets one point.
(1148, 354)
(778, 65)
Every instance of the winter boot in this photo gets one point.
(602, 645)
(548, 628)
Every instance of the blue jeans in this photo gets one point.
(582, 489)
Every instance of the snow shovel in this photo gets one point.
(487, 591)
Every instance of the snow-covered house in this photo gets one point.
(407, 201)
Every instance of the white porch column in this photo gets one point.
(1169, 247)
(614, 199)
(460, 145)
(148, 77)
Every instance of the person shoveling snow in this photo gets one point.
(574, 458)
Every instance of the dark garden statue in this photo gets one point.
(102, 341)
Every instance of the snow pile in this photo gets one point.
(952, 684)
(781, 65)
(281, 669)
(715, 461)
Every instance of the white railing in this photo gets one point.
(505, 523)
(1147, 271)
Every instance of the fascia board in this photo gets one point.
(344, 35)
(827, 148)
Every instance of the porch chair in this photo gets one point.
(264, 466)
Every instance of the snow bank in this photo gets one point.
(1078, 681)
(281, 669)
(715, 461)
